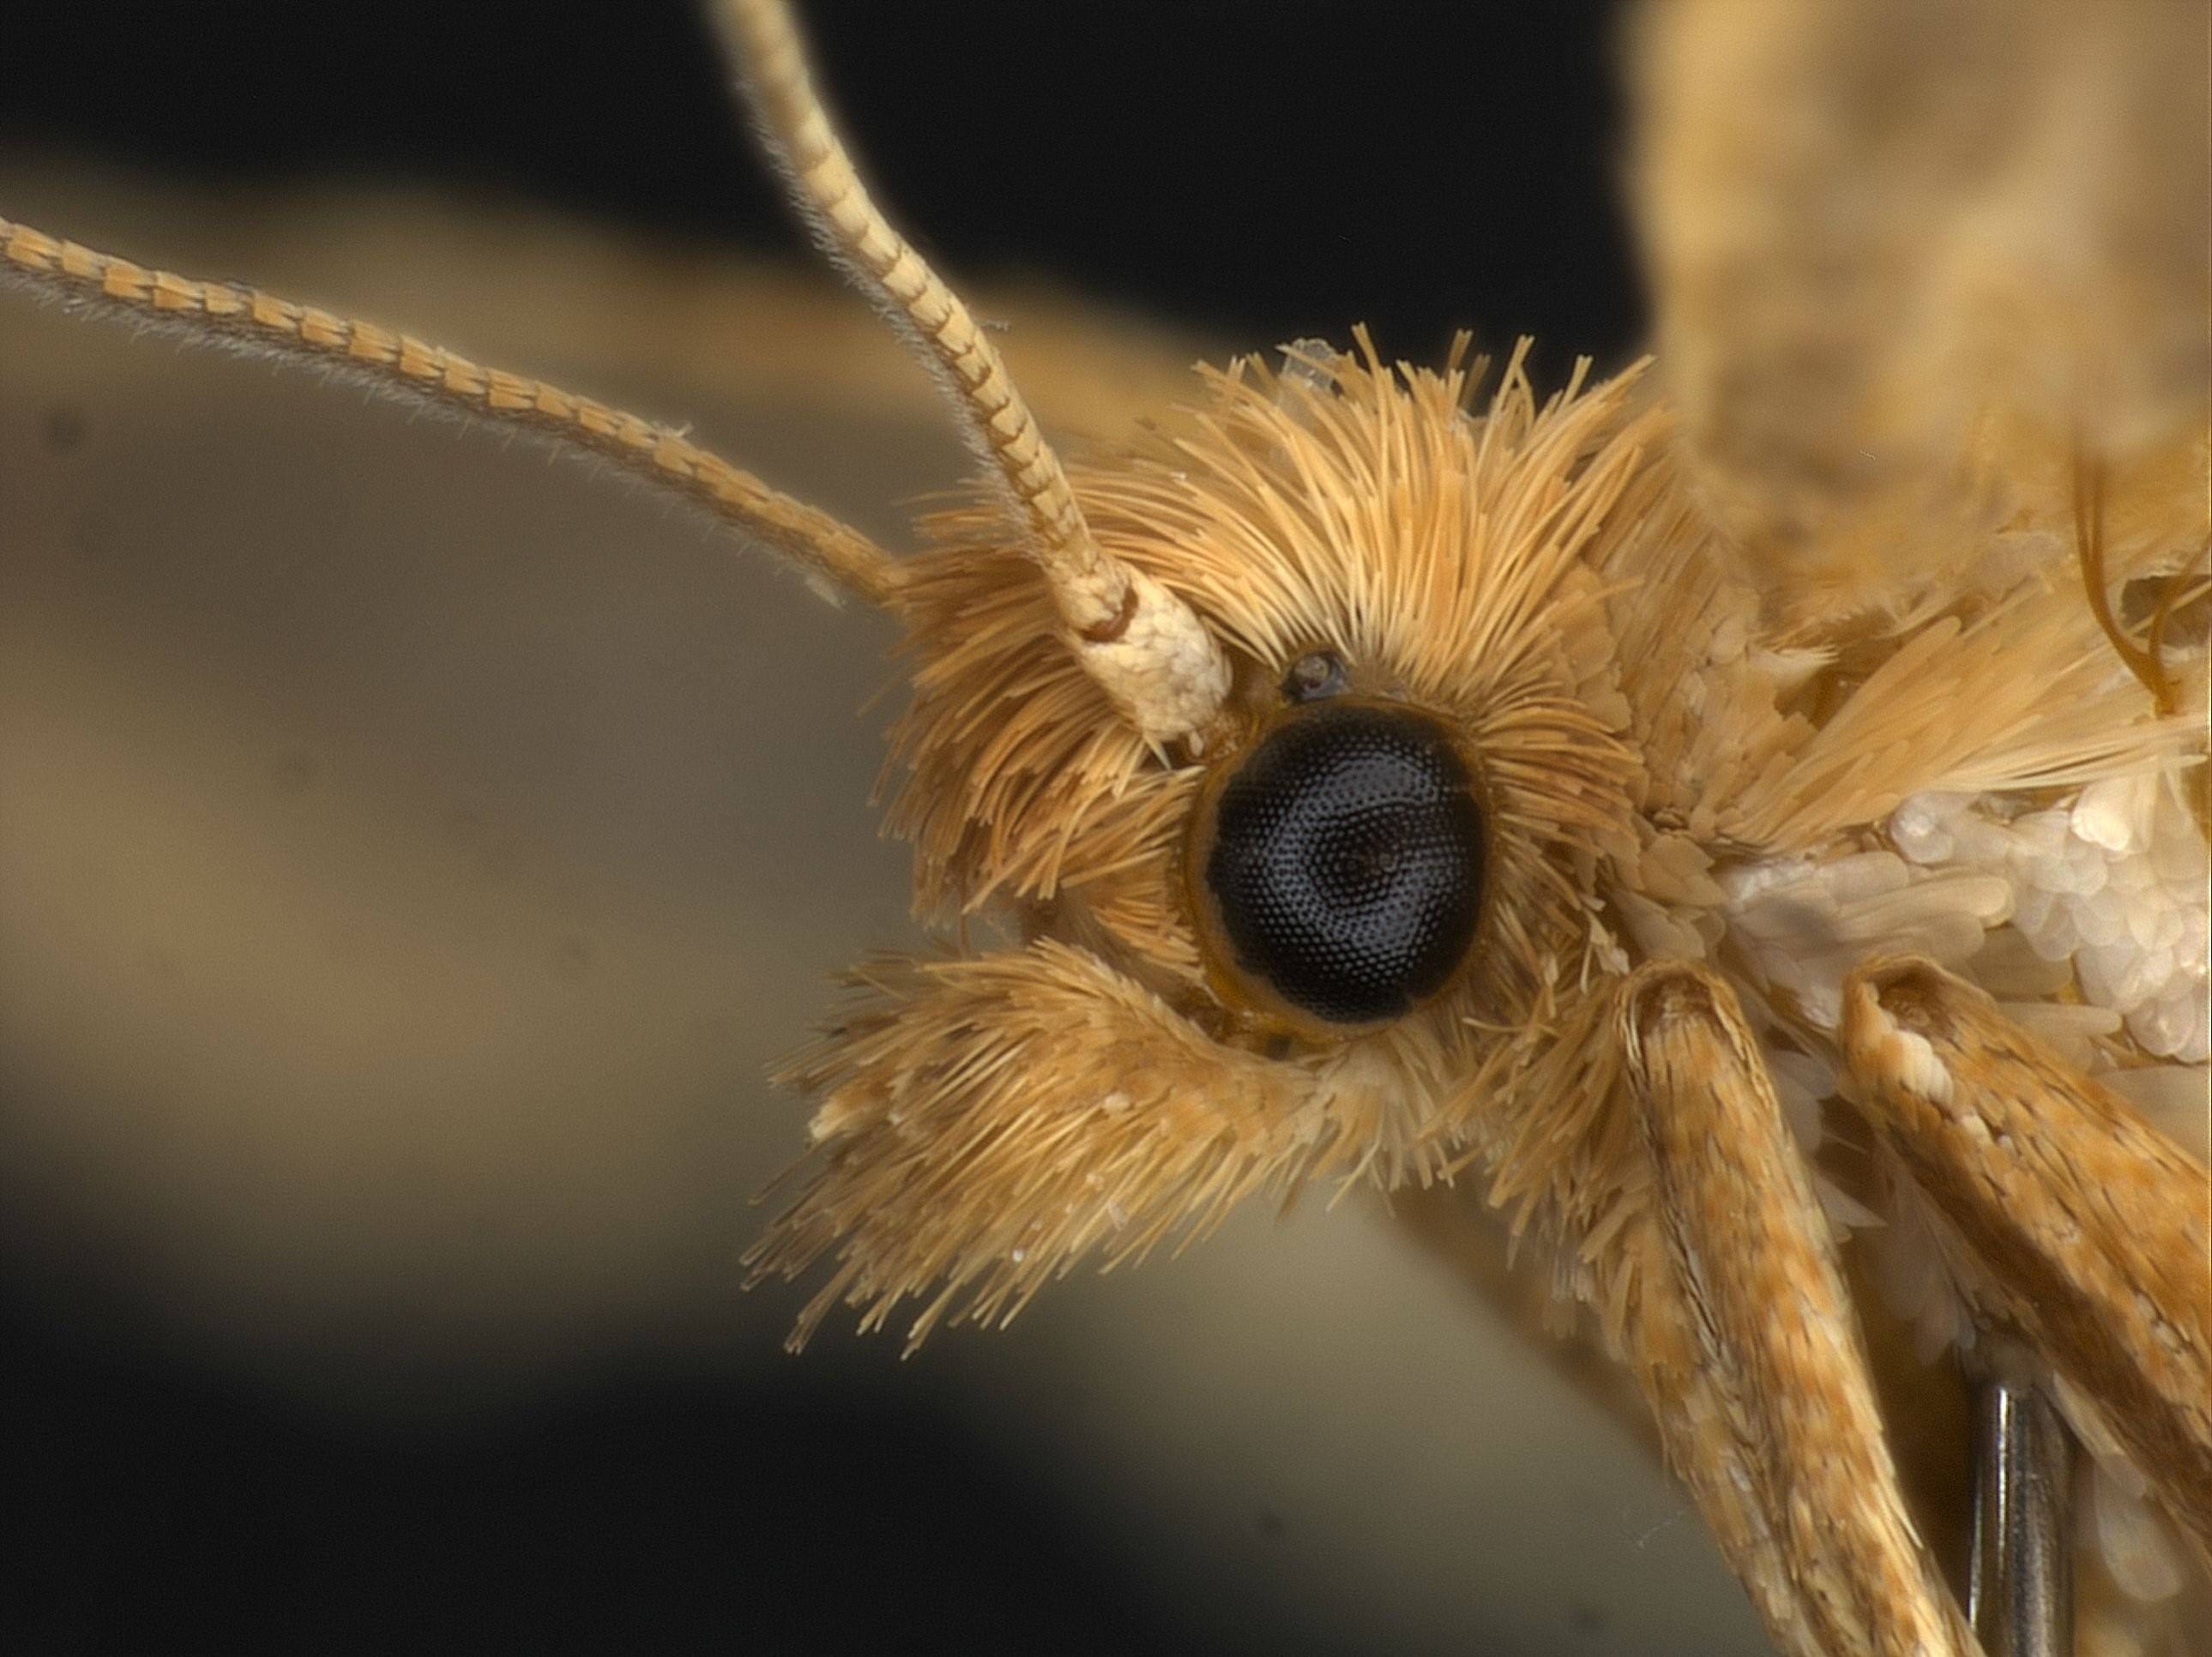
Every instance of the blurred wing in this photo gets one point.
(1905, 256)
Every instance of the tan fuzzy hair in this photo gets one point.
(987, 1120)
(1444, 555)
(983, 1122)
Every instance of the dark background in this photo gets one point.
(1261, 169)
(1267, 168)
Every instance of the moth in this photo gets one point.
(1620, 804)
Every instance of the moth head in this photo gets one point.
(1281, 745)
(1128, 717)
(1275, 952)
(1422, 754)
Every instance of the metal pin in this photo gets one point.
(2020, 1597)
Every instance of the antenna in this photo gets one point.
(1143, 646)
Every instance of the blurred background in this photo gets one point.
(1261, 170)
(413, 853)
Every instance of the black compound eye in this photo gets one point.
(1346, 861)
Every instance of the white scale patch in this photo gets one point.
(2114, 885)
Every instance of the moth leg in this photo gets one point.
(1746, 1340)
(2089, 1232)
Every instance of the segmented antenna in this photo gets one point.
(1142, 644)
(394, 365)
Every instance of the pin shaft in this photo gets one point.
(2021, 1596)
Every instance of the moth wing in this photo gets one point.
(1904, 259)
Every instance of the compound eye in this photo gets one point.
(1342, 861)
